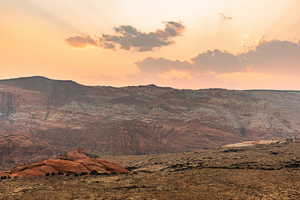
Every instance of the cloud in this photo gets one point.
(211, 61)
(159, 65)
(276, 56)
(268, 57)
(174, 75)
(128, 37)
(81, 41)
(218, 61)
(221, 69)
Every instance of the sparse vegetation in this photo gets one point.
(250, 173)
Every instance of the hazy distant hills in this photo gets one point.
(40, 117)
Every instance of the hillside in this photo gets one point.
(40, 117)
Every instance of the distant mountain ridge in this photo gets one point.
(37, 81)
(40, 117)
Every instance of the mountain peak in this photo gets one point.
(40, 83)
(34, 79)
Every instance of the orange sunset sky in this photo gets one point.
(236, 44)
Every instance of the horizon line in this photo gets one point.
(147, 85)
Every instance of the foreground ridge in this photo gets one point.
(258, 172)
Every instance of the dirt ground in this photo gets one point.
(263, 172)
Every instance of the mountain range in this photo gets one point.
(41, 117)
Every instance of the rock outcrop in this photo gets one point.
(73, 163)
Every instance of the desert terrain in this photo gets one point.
(259, 172)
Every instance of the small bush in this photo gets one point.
(60, 173)
(94, 173)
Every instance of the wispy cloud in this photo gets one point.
(81, 41)
(36, 8)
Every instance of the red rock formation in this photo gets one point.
(75, 162)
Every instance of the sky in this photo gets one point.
(234, 44)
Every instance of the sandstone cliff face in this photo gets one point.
(7, 104)
(42, 117)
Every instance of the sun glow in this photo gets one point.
(155, 11)
(33, 35)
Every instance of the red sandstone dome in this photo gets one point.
(75, 162)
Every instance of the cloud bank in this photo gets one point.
(128, 37)
(274, 56)
(268, 57)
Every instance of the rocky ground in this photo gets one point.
(261, 172)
